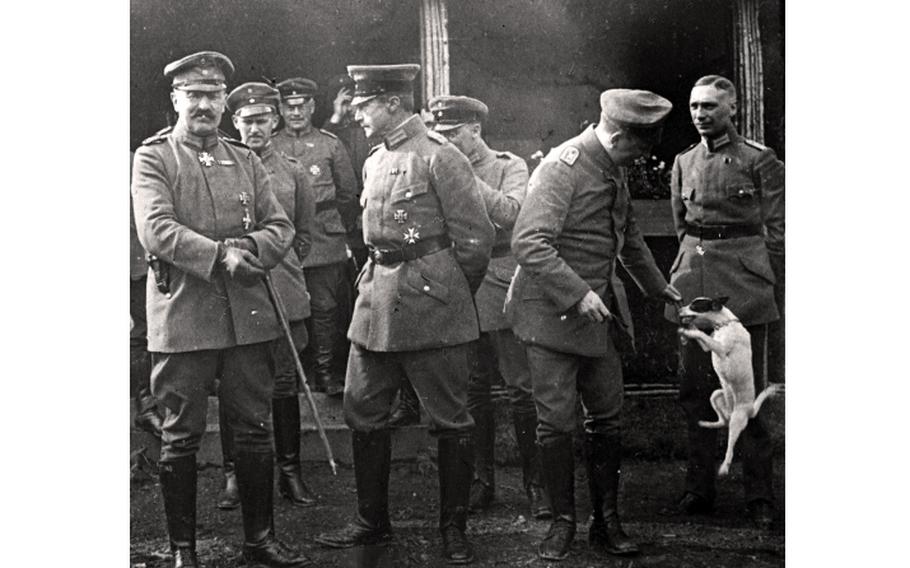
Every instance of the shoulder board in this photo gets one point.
(329, 134)
(436, 137)
(755, 144)
(234, 142)
(690, 148)
(569, 155)
(158, 137)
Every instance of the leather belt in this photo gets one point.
(410, 252)
(716, 232)
(325, 205)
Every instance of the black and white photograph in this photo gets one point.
(425, 283)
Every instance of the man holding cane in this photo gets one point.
(205, 209)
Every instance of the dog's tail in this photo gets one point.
(773, 389)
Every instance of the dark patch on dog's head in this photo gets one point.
(701, 305)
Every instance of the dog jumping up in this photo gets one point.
(731, 354)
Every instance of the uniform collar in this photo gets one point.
(198, 143)
(481, 153)
(302, 134)
(267, 151)
(404, 131)
(715, 144)
(596, 149)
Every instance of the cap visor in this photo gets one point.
(445, 126)
(253, 110)
(356, 101)
(205, 87)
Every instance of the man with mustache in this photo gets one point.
(255, 108)
(328, 169)
(727, 194)
(205, 209)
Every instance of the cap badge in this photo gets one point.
(412, 236)
(315, 170)
(401, 216)
(206, 159)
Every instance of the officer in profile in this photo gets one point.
(503, 180)
(570, 309)
(727, 194)
(208, 308)
(255, 115)
(430, 241)
(329, 172)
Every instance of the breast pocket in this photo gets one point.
(426, 285)
(742, 193)
(409, 192)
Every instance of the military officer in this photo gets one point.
(727, 194)
(328, 167)
(255, 108)
(503, 180)
(430, 241)
(569, 307)
(204, 207)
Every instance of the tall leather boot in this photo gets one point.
(323, 345)
(286, 420)
(256, 483)
(178, 488)
(407, 413)
(559, 478)
(602, 457)
(455, 463)
(483, 486)
(230, 496)
(526, 435)
(372, 460)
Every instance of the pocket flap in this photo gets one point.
(758, 267)
(408, 192)
(428, 286)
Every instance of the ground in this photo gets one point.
(502, 536)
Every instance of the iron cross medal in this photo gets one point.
(206, 159)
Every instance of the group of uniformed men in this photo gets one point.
(467, 262)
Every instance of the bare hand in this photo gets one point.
(341, 104)
(593, 308)
(671, 295)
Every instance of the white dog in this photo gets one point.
(731, 354)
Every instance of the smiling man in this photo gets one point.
(255, 108)
(329, 172)
(727, 194)
(205, 208)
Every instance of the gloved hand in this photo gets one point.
(245, 243)
(241, 265)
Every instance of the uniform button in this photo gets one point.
(562, 317)
(254, 312)
(426, 288)
(407, 194)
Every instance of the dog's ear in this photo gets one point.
(718, 303)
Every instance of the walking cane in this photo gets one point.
(282, 317)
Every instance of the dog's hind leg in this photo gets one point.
(719, 404)
(769, 392)
(738, 421)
